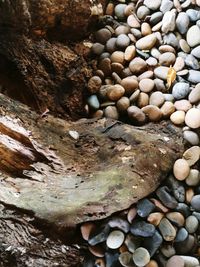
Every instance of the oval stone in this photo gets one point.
(195, 202)
(152, 112)
(178, 117)
(180, 90)
(192, 118)
(115, 239)
(147, 42)
(194, 95)
(141, 257)
(181, 169)
(191, 137)
(193, 36)
(157, 99)
(167, 230)
(146, 85)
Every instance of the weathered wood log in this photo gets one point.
(68, 173)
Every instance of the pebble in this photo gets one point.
(189, 195)
(192, 62)
(167, 230)
(171, 39)
(186, 246)
(191, 137)
(94, 84)
(131, 214)
(159, 205)
(99, 236)
(192, 118)
(192, 155)
(132, 21)
(137, 65)
(143, 229)
(156, 17)
(194, 76)
(157, 99)
(142, 12)
(111, 112)
(155, 218)
(194, 95)
(152, 263)
(190, 261)
(167, 59)
(130, 84)
(181, 169)
(161, 72)
(178, 117)
(115, 92)
(141, 257)
(118, 57)
(164, 196)
(177, 188)
(111, 45)
(179, 64)
(122, 41)
(152, 112)
(176, 218)
(191, 224)
(146, 85)
(147, 42)
(86, 230)
(151, 61)
(196, 52)
(180, 90)
(166, 5)
(119, 223)
(125, 259)
(193, 178)
(93, 102)
(167, 109)
(182, 235)
(144, 207)
(132, 242)
(145, 29)
(168, 21)
(193, 14)
(193, 36)
(195, 203)
(184, 46)
(153, 243)
(184, 209)
(182, 22)
(136, 115)
(103, 35)
(167, 250)
(115, 239)
(175, 261)
(183, 105)
(97, 251)
(123, 104)
(119, 11)
(130, 53)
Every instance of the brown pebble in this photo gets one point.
(97, 251)
(159, 205)
(98, 114)
(176, 218)
(94, 84)
(111, 112)
(115, 92)
(129, 9)
(152, 112)
(137, 65)
(189, 195)
(118, 57)
(181, 169)
(130, 84)
(100, 263)
(130, 53)
(146, 85)
(109, 9)
(132, 213)
(143, 100)
(155, 218)
(167, 109)
(192, 155)
(136, 114)
(117, 67)
(167, 48)
(145, 29)
(152, 263)
(86, 229)
(123, 248)
(123, 104)
(103, 35)
(167, 59)
(105, 66)
(194, 96)
(133, 98)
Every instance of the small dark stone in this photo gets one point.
(184, 209)
(99, 236)
(144, 207)
(195, 203)
(186, 246)
(177, 188)
(153, 243)
(164, 196)
(112, 259)
(141, 228)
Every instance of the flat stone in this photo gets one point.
(115, 239)
(143, 229)
(147, 42)
(125, 259)
(192, 118)
(193, 36)
(184, 209)
(99, 236)
(167, 230)
(141, 257)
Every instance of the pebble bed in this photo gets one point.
(148, 70)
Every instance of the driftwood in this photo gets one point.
(65, 173)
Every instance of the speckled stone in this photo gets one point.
(180, 90)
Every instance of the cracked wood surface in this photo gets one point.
(66, 181)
